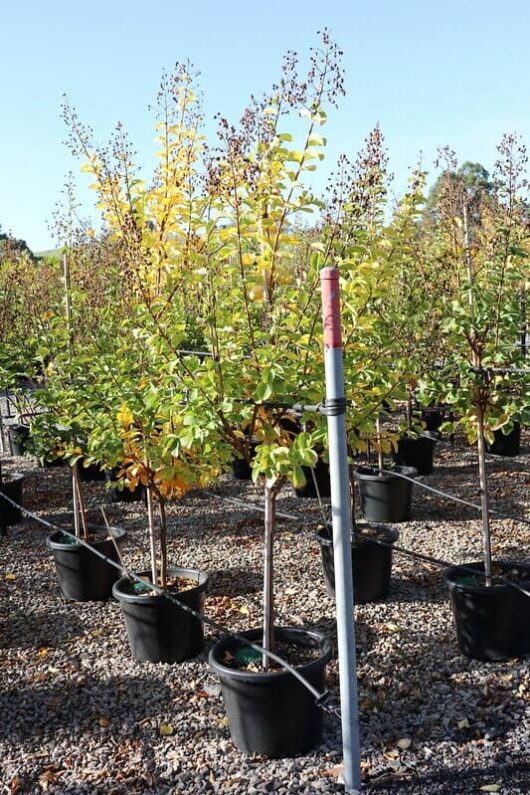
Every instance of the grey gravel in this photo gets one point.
(78, 715)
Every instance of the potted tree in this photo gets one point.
(482, 232)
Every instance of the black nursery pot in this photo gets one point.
(158, 630)
(82, 575)
(241, 469)
(18, 438)
(491, 623)
(272, 713)
(90, 474)
(371, 562)
(433, 418)
(385, 498)
(321, 472)
(121, 495)
(417, 452)
(506, 444)
(13, 487)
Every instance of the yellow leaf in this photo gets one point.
(10, 577)
(43, 652)
(244, 610)
(491, 788)
(166, 729)
(97, 632)
(463, 724)
(223, 722)
(104, 722)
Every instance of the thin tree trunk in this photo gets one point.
(80, 502)
(484, 502)
(163, 542)
(152, 534)
(379, 449)
(75, 502)
(268, 572)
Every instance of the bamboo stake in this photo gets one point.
(152, 539)
(268, 573)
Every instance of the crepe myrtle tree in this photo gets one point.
(481, 240)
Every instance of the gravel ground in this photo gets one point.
(78, 715)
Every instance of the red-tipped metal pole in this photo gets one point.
(342, 526)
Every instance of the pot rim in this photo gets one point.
(325, 540)
(371, 473)
(118, 534)
(451, 573)
(324, 648)
(11, 477)
(201, 576)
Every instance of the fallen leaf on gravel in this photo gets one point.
(463, 724)
(223, 722)
(104, 722)
(244, 610)
(291, 591)
(392, 627)
(97, 632)
(404, 743)
(10, 577)
(491, 788)
(47, 778)
(15, 785)
(43, 652)
(166, 729)
(332, 772)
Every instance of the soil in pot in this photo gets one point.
(158, 630)
(371, 562)
(417, 452)
(82, 575)
(385, 497)
(506, 444)
(18, 439)
(271, 712)
(113, 494)
(491, 623)
(13, 487)
(321, 473)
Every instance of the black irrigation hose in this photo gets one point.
(321, 699)
(452, 497)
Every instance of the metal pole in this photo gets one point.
(342, 525)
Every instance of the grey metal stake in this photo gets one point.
(342, 526)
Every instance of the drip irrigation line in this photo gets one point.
(249, 505)
(322, 699)
(454, 498)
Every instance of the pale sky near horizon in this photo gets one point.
(430, 73)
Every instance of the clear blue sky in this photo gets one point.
(431, 73)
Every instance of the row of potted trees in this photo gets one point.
(182, 335)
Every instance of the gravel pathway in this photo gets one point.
(78, 715)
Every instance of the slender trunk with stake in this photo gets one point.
(379, 447)
(271, 490)
(479, 410)
(68, 310)
(152, 534)
(163, 542)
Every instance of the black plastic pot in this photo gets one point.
(417, 452)
(272, 713)
(82, 575)
(506, 444)
(371, 562)
(158, 630)
(90, 474)
(13, 487)
(491, 623)
(385, 498)
(241, 469)
(121, 495)
(18, 438)
(321, 472)
(433, 418)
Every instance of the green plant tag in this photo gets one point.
(247, 655)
